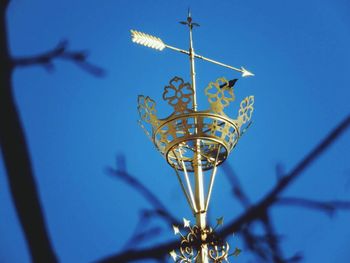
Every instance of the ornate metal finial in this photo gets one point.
(191, 243)
(189, 22)
(195, 141)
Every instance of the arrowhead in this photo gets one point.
(237, 252)
(186, 222)
(220, 221)
(176, 230)
(246, 73)
(173, 255)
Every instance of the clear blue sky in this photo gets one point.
(76, 124)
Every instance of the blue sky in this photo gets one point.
(77, 124)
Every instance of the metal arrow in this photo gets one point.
(158, 44)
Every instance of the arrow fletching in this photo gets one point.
(147, 40)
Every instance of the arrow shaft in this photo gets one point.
(177, 49)
(203, 58)
(218, 63)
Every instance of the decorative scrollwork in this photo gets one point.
(246, 110)
(147, 110)
(197, 238)
(178, 94)
(219, 94)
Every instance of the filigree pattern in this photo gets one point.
(246, 110)
(196, 238)
(219, 95)
(183, 127)
(178, 94)
(147, 110)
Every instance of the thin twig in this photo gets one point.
(253, 213)
(272, 239)
(46, 59)
(158, 206)
(237, 188)
(329, 207)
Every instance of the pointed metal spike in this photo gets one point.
(173, 255)
(186, 222)
(237, 252)
(246, 73)
(176, 230)
(220, 221)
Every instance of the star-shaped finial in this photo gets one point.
(173, 254)
(186, 222)
(237, 252)
(220, 221)
(176, 230)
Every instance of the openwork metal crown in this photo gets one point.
(177, 135)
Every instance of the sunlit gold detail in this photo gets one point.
(246, 73)
(195, 238)
(193, 141)
(158, 44)
(147, 40)
(219, 95)
(147, 110)
(246, 110)
(178, 133)
(178, 94)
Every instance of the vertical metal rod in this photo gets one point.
(189, 187)
(193, 71)
(184, 191)
(212, 179)
(197, 164)
(191, 204)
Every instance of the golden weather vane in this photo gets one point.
(195, 143)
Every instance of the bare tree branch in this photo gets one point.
(46, 59)
(272, 240)
(237, 188)
(142, 235)
(254, 243)
(13, 143)
(329, 207)
(253, 213)
(159, 208)
(20, 175)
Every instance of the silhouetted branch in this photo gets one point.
(15, 153)
(13, 144)
(159, 208)
(46, 59)
(329, 207)
(237, 188)
(279, 168)
(272, 240)
(254, 243)
(253, 213)
(142, 235)
(156, 252)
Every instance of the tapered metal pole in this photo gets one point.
(198, 173)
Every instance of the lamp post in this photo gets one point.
(195, 143)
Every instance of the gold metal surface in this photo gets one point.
(178, 133)
(195, 141)
(147, 40)
(191, 244)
